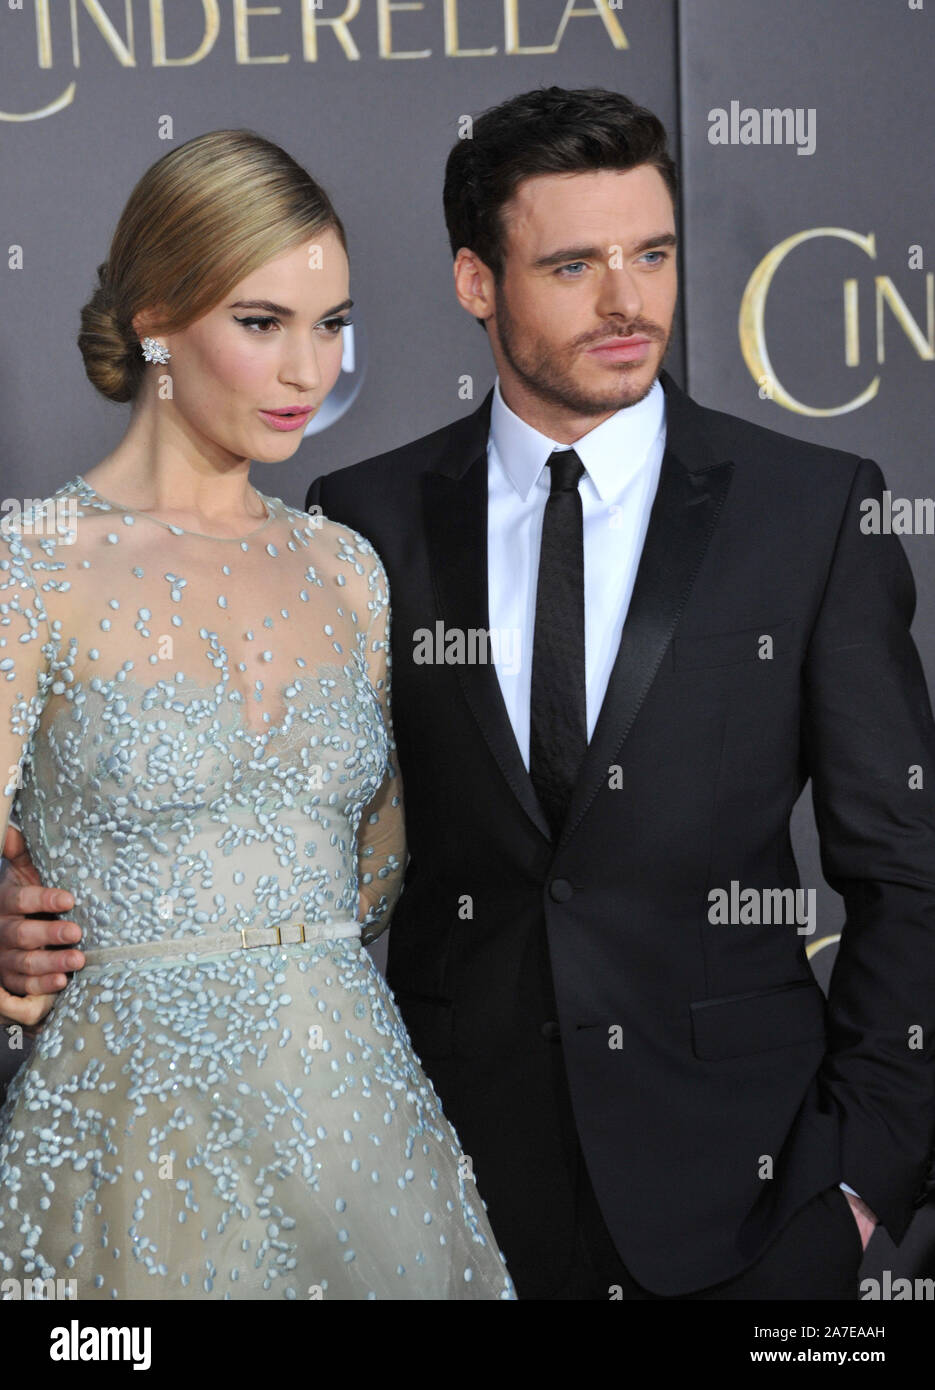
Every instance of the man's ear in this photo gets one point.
(475, 288)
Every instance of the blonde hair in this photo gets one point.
(200, 219)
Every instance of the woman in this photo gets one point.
(224, 1103)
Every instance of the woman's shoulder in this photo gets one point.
(32, 522)
(44, 531)
(339, 539)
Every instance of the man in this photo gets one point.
(656, 1102)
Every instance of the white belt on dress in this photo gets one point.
(236, 939)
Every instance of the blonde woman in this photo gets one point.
(195, 715)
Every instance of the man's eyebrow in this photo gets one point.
(281, 309)
(597, 253)
(652, 242)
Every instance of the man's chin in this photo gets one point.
(625, 384)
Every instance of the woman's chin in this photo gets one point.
(276, 449)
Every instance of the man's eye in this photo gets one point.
(252, 322)
(663, 256)
(570, 266)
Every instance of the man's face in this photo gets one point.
(583, 314)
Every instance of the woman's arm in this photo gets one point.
(381, 841)
(26, 646)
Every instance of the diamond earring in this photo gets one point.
(154, 351)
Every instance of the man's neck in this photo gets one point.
(556, 422)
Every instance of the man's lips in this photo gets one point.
(622, 349)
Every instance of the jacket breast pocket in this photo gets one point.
(739, 1024)
(763, 643)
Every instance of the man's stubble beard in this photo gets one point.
(547, 379)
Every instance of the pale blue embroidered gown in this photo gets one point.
(195, 737)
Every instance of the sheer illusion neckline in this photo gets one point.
(268, 503)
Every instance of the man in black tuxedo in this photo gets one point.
(626, 630)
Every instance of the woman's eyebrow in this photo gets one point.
(281, 309)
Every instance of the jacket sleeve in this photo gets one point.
(868, 741)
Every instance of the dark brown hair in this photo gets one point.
(546, 131)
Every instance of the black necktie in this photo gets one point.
(558, 735)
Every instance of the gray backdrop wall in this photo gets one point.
(807, 297)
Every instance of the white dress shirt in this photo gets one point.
(622, 458)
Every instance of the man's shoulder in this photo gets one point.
(402, 463)
(752, 444)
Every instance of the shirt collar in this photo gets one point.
(612, 453)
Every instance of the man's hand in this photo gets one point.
(863, 1216)
(31, 976)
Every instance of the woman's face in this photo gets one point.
(273, 343)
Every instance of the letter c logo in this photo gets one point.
(753, 313)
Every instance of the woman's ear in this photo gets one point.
(145, 323)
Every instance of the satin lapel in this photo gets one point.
(691, 492)
(455, 511)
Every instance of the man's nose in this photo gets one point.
(620, 293)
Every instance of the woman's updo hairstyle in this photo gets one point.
(200, 219)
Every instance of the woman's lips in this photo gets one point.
(280, 420)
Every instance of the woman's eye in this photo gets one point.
(262, 325)
(253, 322)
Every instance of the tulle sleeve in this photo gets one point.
(382, 834)
(26, 656)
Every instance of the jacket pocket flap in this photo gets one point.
(746, 1023)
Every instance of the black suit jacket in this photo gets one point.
(714, 1090)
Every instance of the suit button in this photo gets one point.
(551, 1031)
(560, 890)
